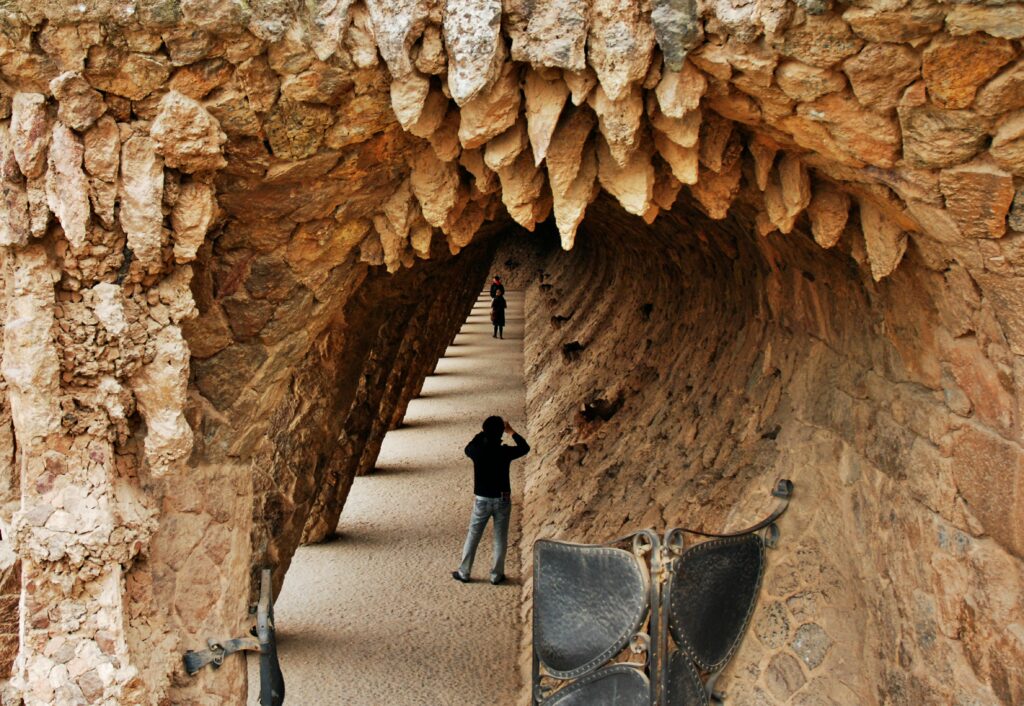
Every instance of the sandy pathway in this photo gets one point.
(374, 618)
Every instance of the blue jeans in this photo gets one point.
(483, 510)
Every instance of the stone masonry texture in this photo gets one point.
(236, 236)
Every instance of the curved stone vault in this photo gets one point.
(238, 235)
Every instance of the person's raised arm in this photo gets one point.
(521, 448)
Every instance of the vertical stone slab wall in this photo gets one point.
(430, 332)
(10, 595)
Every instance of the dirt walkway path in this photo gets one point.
(374, 618)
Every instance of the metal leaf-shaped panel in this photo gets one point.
(714, 587)
(614, 686)
(588, 602)
(684, 685)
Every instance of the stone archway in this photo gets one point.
(219, 219)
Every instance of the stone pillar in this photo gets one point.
(96, 370)
(82, 519)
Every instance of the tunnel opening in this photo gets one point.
(387, 571)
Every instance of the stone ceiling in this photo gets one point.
(902, 112)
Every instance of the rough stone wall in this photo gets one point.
(197, 198)
(518, 257)
(675, 371)
(10, 567)
(339, 398)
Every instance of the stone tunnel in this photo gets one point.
(758, 239)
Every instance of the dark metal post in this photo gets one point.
(271, 679)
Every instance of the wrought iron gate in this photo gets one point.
(682, 611)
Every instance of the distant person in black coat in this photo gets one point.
(498, 305)
(492, 494)
(496, 287)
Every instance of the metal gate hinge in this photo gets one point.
(263, 641)
(216, 651)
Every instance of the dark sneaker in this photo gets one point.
(495, 580)
(459, 577)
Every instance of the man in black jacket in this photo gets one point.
(493, 494)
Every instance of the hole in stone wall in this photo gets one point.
(600, 408)
(571, 351)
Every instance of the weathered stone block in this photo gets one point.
(79, 105)
(978, 196)
(188, 137)
(811, 644)
(934, 137)
(983, 462)
(1008, 144)
(955, 67)
(296, 130)
(822, 41)
(880, 72)
(803, 82)
(784, 676)
(223, 377)
(772, 625)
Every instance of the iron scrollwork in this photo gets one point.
(682, 610)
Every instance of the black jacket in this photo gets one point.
(496, 288)
(491, 460)
(498, 310)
